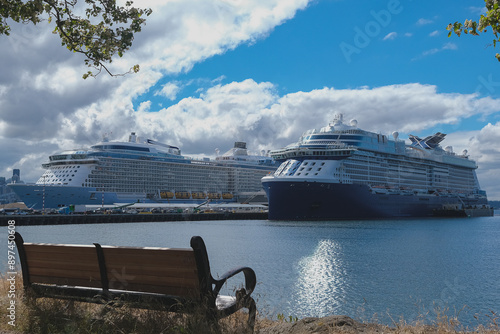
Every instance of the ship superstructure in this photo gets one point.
(143, 171)
(341, 171)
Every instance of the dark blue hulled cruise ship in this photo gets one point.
(343, 172)
(145, 171)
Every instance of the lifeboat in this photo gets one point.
(227, 196)
(198, 195)
(166, 194)
(213, 195)
(379, 189)
(182, 195)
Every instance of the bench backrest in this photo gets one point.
(62, 264)
(170, 271)
(157, 270)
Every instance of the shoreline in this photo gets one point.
(334, 324)
(61, 219)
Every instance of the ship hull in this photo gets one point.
(40, 197)
(291, 200)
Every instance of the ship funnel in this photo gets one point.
(449, 149)
(240, 144)
(338, 119)
(132, 138)
(395, 134)
(354, 122)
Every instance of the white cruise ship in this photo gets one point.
(343, 172)
(145, 171)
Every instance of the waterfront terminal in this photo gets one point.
(131, 213)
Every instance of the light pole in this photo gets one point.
(43, 195)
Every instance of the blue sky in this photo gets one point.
(262, 71)
(385, 43)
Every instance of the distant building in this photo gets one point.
(2, 184)
(6, 194)
(16, 176)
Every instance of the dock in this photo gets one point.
(61, 219)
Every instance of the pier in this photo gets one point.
(60, 219)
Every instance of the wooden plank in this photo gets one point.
(32, 244)
(61, 253)
(170, 271)
(173, 291)
(125, 279)
(64, 257)
(48, 263)
(54, 248)
(148, 263)
(157, 271)
(149, 255)
(65, 281)
(63, 273)
(63, 264)
(151, 261)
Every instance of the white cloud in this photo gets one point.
(391, 36)
(449, 46)
(255, 113)
(435, 33)
(477, 10)
(144, 106)
(45, 106)
(446, 46)
(482, 146)
(179, 34)
(169, 90)
(423, 21)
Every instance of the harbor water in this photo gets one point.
(369, 270)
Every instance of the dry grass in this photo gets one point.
(56, 316)
(53, 316)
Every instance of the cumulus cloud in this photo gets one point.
(44, 100)
(254, 112)
(169, 90)
(482, 146)
(46, 107)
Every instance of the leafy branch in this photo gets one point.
(490, 19)
(105, 29)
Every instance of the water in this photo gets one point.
(379, 269)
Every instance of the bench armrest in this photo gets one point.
(250, 279)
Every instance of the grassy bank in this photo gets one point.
(53, 316)
(56, 316)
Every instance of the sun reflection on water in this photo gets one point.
(320, 287)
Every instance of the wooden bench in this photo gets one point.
(176, 280)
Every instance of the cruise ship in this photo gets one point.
(144, 171)
(343, 172)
